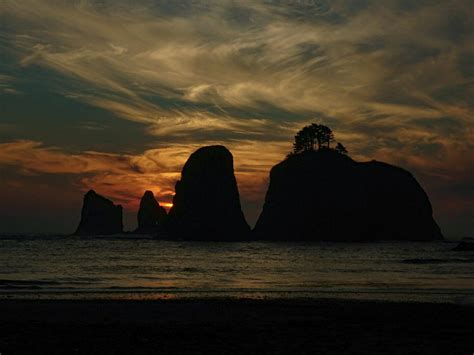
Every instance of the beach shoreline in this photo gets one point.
(234, 326)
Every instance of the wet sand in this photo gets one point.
(234, 326)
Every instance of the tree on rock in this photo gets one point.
(325, 136)
(341, 149)
(314, 137)
(304, 140)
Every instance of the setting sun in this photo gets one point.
(166, 205)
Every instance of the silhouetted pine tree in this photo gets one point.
(313, 138)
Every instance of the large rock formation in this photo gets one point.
(151, 216)
(99, 216)
(327, 196)
(207, 205)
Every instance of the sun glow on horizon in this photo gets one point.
(166, 205)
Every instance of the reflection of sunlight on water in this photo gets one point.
(131, 267)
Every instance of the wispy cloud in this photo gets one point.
(7, 85)
(155, 66)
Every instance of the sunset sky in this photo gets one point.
(115, 95)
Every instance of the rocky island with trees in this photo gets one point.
(317, 193)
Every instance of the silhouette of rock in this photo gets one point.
(207, 205)
(151, 216)
(99, 216)
(327, 196)
(464, 246)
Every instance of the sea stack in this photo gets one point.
(151, 216)
(206, 205)
(325, 195)
(99, 216)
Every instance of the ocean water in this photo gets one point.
(137, 267)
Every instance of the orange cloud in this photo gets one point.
(124, 177)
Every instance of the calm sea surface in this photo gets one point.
(136, 267)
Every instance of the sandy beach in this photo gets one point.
(234, 326)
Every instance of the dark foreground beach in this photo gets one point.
(234, 326)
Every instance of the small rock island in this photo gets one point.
(151, 216)
(99, 216)
(321, 194)
(206, 205)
